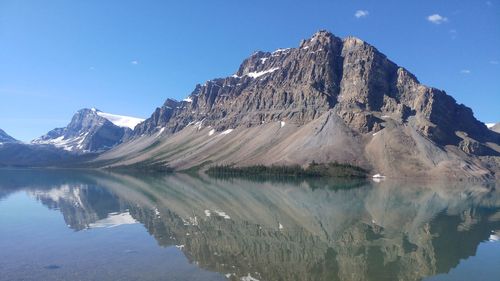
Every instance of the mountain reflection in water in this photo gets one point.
(271, 230)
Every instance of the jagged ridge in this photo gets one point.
(344, 88)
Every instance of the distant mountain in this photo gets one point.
(90, 130)
(5, 138)
(494, 127)
(330, 99)
(38, 155)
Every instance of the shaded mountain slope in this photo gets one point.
(6, 138)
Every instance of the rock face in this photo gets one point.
(5, 138)
(330, 99)
(90, 130)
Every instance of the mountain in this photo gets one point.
(38, 155)
(90, 130)
(5, 138)
(330, 99)
(14, 153)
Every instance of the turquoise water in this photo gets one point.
(67, 225)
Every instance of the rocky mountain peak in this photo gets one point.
(347, 85)
(323, 73)
(90, 130)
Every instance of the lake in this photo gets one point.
(74, 225)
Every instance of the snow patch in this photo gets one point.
(121, 120)
(263, 60)
(161, 131)
(378, 176)
(279, 52)
(114, 220)
(207, 213)
(226, 132)
(319, 50)
(68, 144)
(249, 278)
(188, 99)
(282, 124)
(494, 238)
(199, 124)
(222, 214)
(258, 74)
(490, 125)
(211, 132)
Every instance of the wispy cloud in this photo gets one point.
(493, 62)
(135, 62)
(489, 3)
(437, 19)
(465, 71)
(361, 13)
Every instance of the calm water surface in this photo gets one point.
(63, 225)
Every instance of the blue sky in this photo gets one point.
(127, 57)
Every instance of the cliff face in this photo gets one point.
(325, 84)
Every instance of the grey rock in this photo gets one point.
(346, 83)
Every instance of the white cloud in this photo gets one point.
(493, 62)
(361, 13)
(437, 19)
(465, 71)
(134, 62)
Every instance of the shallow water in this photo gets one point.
(66, 225)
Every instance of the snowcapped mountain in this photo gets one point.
(5, 138)
(90, 130)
